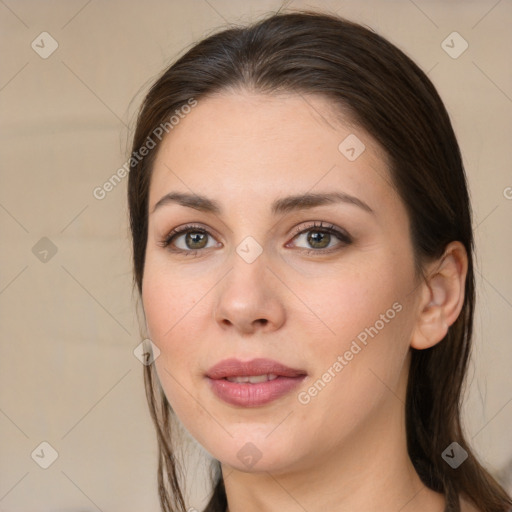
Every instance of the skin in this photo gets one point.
(345, 450)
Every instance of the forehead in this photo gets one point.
(237, 144)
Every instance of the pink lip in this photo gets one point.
(252, 395)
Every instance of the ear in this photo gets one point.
(442, 296)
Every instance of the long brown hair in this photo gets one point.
(388, 95)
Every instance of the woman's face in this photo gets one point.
(272, 268)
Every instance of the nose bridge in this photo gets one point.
(247, 278)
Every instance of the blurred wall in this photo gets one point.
(71, 78)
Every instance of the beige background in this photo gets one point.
(68, 325)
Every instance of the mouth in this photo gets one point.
(253, 383)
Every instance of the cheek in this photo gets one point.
(169, 299)
(365, 298)
(370, 317)
(355, 368)
(169, 310)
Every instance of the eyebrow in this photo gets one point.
(279, 206)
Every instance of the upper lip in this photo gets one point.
(236, 368)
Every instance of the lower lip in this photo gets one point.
(254, 395)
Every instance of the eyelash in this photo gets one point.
(342, 236)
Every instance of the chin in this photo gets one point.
(256, 454)
(257, 462)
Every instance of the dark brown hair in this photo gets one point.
(386, 93)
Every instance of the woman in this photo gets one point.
(303, 249)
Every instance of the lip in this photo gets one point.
(248, 394)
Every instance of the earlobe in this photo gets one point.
(442, 297)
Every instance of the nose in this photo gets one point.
(249, 298)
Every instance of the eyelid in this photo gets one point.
(321, 226)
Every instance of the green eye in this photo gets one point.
(320, 237)
(188, 239)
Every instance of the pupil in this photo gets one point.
(316, 237)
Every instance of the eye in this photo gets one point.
(321, 238)
(188, 239)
